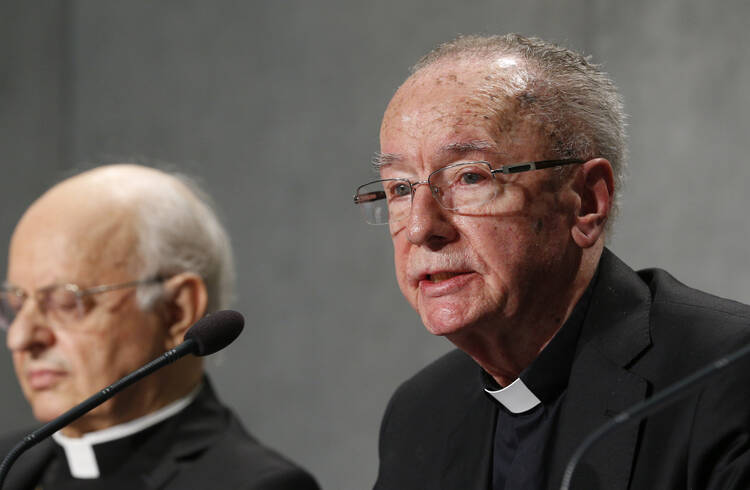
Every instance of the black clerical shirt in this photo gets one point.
(121, 462)
(521, 442)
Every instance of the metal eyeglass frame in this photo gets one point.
(514, 168)
(70, 287)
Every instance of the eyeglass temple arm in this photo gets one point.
(113, 287)
(368, 197)
(525, 167)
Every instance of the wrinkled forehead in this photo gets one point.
(453, 102)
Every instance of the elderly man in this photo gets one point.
(500, 161)
(106, 271)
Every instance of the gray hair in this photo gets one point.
(179, 231)
(575, 100)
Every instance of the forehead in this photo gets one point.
(458, 105)
(71, 240)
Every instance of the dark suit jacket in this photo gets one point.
(202, 447)
(642, 332)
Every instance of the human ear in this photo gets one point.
(186, 300)
(596, 193)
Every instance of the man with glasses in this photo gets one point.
(500, 165)
(106, 271)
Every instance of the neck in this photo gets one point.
(134, 402)
(505, 346)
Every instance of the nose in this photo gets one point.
(30, 330)
(428, 223)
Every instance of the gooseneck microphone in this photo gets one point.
(208, 335)
(650, 405)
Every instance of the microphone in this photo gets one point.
(210, 334)
(650, 405)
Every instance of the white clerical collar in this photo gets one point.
(516, 397)
(79, 451)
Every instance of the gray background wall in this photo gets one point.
(275, 106)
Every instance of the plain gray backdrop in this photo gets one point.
(275, 107)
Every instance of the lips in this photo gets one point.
(42, 379)
(441, 276)
(445, 283)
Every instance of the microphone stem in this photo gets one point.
(46, 430)
(650, 405)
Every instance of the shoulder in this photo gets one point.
(218, 451)
(440, 414)
(424, 403)
(10, 439)
(238, 460)
(257, 465)
(450, 375)
(26, 469)
(691, 330)
(705, 324)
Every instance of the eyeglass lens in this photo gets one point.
(59, 303)
(461, 187)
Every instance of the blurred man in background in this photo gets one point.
(501, 161)
(106, 271)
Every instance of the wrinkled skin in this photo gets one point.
(500, 282)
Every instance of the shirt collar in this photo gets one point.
(516, 397)
(547, 376)
(79, 451)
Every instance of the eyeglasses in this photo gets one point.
(62, 303)
(461, 187)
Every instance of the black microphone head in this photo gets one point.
(215, 331)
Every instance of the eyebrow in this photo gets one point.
(469, 147)
(379, 160)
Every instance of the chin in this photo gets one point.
(47, 406)
(46, 413)
(443, 322)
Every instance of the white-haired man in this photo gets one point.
(106, 271)
(500, 161)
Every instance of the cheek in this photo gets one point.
(400, 258)
(503, 250)
(491, 242)
(401, 249)
(90, 361)
(18, 363)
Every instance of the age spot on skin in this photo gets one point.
(539, 226)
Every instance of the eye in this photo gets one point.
(398, 189)
(12, 300)
(61, 300)
(471, 175)
(470, 178)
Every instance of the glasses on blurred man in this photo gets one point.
(63, 304)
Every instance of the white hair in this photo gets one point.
(178, 231)
(573, 99)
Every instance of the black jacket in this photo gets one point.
(202, 447)
(642, 332)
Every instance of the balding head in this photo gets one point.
(75, 225)
(576, 105)
(172, 222)
(153, 237)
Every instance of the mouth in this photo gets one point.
(442, 276)
(42, 379)
(445, 282)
